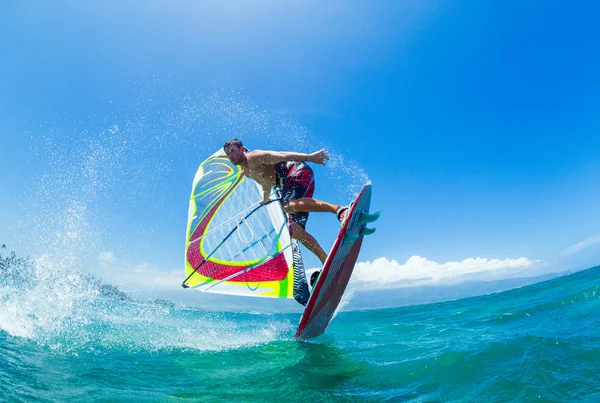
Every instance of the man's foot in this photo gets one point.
(313, 278)
(341, 213)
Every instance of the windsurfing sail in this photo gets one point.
(234, 244)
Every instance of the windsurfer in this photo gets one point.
(289, 172)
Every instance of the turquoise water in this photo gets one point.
(67, 336)
(536, 343)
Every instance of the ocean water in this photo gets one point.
(68, 332)
(536, 343)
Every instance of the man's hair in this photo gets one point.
(233, 143)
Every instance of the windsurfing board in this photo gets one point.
(331, 284)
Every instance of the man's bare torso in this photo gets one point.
(262, 173)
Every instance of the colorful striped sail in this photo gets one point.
(235, 245)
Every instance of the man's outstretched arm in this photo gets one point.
(273, 157)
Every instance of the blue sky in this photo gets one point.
(477, 122)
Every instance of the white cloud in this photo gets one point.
(106, 257)
(144, 277)
(418, 271)
(378, 274)
(577, 247)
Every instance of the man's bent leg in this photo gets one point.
(309, 205)
(309, 241)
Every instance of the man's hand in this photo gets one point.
(318, 157)
(266, 194)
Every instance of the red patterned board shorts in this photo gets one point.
(296, 180)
